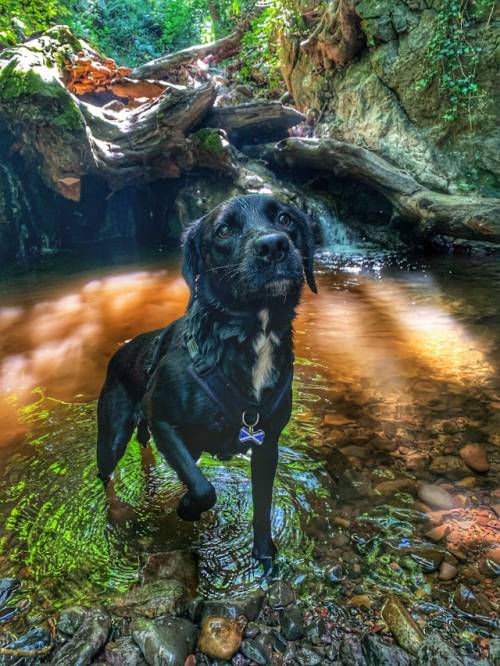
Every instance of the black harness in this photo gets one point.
(248, 419)
(237, 412)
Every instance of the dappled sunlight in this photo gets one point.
(385, 340)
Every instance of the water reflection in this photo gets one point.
(396, 370)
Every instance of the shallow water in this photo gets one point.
(399, 360)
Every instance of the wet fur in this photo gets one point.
(240, 313)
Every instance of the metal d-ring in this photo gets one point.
(244, 421)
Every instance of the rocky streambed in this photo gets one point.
(386, 507)
(162, 621)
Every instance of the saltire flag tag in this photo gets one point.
(249, 435)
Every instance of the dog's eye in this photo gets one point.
(224, 231)
(285, 220)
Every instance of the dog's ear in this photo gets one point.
(308, 253)
(191, 264)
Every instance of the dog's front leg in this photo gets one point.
(201, 493)
(264, 462)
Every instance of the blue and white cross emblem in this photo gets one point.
(247, 433)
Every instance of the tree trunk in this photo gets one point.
(160, 67)
(338, 38)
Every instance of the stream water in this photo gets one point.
(397, 369)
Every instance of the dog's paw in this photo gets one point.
(192, 506)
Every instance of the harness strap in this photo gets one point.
(232, 403)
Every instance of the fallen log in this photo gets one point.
(66, 138)
(222, 48)
(255, 122)
(468, 217)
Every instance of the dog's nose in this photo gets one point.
(272, 247)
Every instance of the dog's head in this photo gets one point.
(250, 249)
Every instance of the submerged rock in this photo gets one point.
(380, 653)
(7, 588)
(166, 641)
(450, 466)
(435, 496)
(254, 651)
(123, 652)
(36, 642)
(292, 624)
(177, 565)
(435, 651)
(248, 605)
(153, 599)
(308, 656)
(351, 651)
(401, 625)
(86, 642)
(220, 637)
(475, 457)
(473, 603)
(280, 595)
(71, 619)
(447, 571)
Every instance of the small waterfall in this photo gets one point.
(334, 235)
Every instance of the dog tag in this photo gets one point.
(249, 435)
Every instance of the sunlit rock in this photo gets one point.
(435, 496)
(402, 626)
(474, 455)
(221, 637)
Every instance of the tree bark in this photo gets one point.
(222, 48)
(472, 218)
(261, 121)
(338, 37)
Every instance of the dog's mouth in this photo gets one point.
(279, 286)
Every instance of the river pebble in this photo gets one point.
(474, 455)
(165, 641)
(435, 496)
(447, 571)
(123, 652)
(220, 637)
(87, 641)
(292, 624)
(254, 651)
(280, 595)
(402, 626)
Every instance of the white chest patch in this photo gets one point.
(263, 346)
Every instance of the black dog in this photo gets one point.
(219, 378)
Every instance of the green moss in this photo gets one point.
(209, 140)
(70, 118)
(54, 105)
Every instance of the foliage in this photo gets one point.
(134, 31)
(20, 18)
(131, 31)
(454, 53)
(261, 44)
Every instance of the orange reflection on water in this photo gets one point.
(61, 338)
(376, 338)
